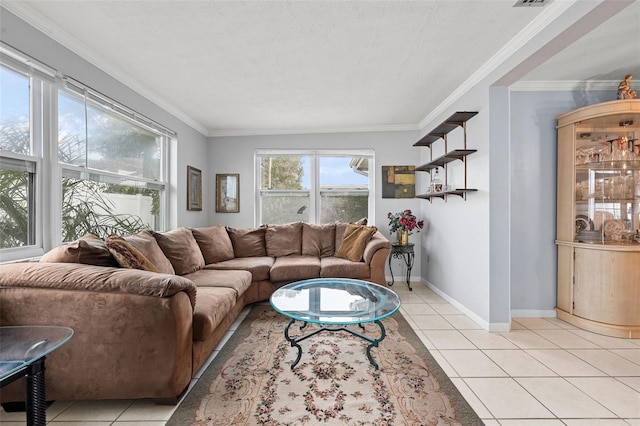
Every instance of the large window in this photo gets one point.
(313, 186)
(112, 166)
(72, 161)
(22, 100)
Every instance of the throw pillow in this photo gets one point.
(181, 249)
(354, 240)
(283, 240)
(318, 240)
(127, 255)
(214, 243)
(342, 226)
(148, 246)
(89, 250)
(248, 242)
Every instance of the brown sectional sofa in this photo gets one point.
(145, 333)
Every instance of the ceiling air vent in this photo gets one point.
(521, 3)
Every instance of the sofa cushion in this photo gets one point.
(335, 267)
(340, 228)
(283, 240)
(239, 281)
(319, 240)
(89, 250)
(248, 242)
(212, 306)
(148, 246)
(127, 255)
(181, 249)
(258, 266)
(289, 268)
(354, 240)
(214, 243)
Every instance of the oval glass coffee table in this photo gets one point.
(334, 304)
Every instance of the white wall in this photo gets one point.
(191, 148)
(456, 260)
(494, 255)
(236, 155)
(533, 153)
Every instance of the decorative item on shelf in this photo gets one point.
(436, 183)
(624, 88)
(403, 224)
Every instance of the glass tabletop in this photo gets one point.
(339, 301)
(22, 345)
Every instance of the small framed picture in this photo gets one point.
(227, 193)
(194, 189)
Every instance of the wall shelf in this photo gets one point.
(456, 154)
(458, 191)
(457, 119)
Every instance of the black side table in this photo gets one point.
(404, 252)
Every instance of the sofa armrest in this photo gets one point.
(76, 276)
(377, 242)
(124, 346)
(133, 329)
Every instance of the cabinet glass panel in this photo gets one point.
(607, 185)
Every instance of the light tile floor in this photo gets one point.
(544, 372)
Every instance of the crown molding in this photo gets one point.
(33, 18)
(538, 24)
(564, 86)
(311, 130)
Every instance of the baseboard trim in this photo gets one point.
(499, 327)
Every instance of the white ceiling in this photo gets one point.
(240, 67)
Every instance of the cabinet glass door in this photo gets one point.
(607, 187)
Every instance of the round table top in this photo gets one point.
(402, 248)
(339, 301)
(22, 345)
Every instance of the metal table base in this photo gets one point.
(295, 340)
(404, 252)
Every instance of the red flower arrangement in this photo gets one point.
(404, 221)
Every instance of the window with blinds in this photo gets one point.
(72, 161)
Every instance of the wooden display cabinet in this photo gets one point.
(598, 218)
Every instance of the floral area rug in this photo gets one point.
(251, 381)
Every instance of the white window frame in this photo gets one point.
(101, 102)
(314, 178)
(41, 105)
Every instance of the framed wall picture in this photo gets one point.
(227, 193)
(398, 182)
(194, 189)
